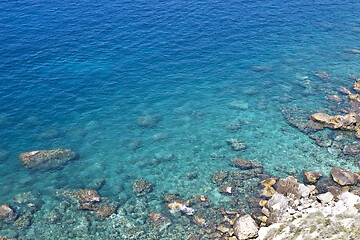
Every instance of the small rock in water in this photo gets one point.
(311, 177)
(141, 187)
(147, 121)
(46, 159)
(236, 144)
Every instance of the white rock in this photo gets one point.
(325, 197)
(245, 227)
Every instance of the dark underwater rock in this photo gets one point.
(311, 176)
(46, 159)
(141, 187)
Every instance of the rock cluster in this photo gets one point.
(46, 159)
(296, 206)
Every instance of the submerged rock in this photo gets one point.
(219, 176)
(141, 187)
(158, 220)
(245, 227)
(147, 121)
(241, 163)
(46, 159)
(322, 75)
(352, 51)
(236, 145)
(351, 150)
(344, 177)
(87, 196)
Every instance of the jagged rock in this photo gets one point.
(158, 220)
(141, 187)
(311, 176)
(276, 209)
(245, 227)
(343, 176)
(6, 212)
(46, 159)
(291, 188)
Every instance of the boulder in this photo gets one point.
(344, 176)
(245, 227)
(46, 159)
(141, 187)
(311, 176)
(325, 197)
(276, 209)
(291, 188)
(6, 212)
(87, 196)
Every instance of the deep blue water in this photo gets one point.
(79, 74)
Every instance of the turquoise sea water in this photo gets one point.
(80, 74)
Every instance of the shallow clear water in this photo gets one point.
(79, 75)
